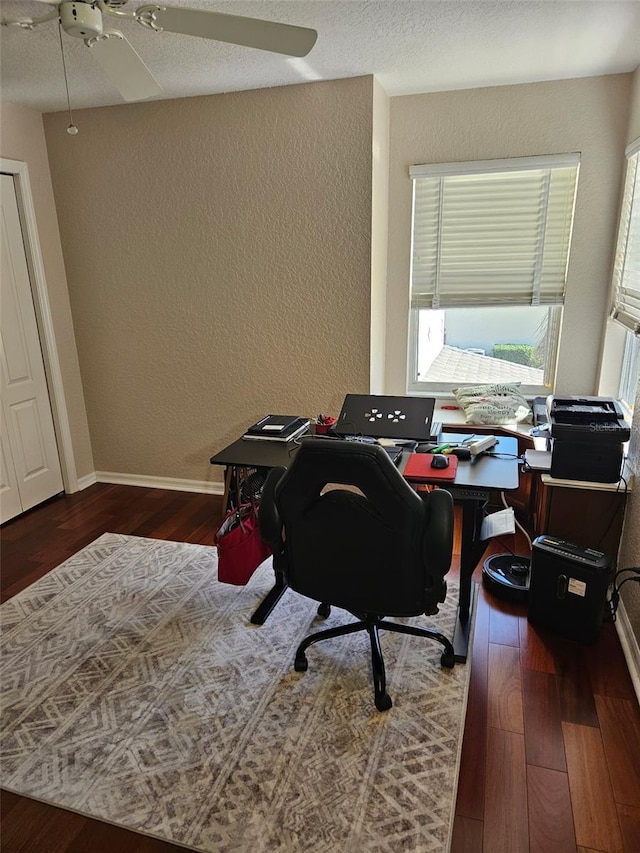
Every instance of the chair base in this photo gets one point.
(372, 625)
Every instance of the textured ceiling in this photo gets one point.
(410, 45)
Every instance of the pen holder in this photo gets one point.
(322, 428)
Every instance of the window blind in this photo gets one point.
(492, 232)
(626, 264)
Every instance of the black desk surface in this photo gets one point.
(256, 454)
(487, 472)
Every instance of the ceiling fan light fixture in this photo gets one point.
(121, 62)
(81, 20)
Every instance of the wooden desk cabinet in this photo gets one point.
(590, 517)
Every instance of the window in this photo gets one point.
(490, 249)
(630, 371)
(626, 276)
(626, 265)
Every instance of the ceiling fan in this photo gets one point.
(85, 19)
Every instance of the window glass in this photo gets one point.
(630, 371)
(478, 345)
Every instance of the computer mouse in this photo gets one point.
(439, 461)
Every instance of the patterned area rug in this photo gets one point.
(137, 692)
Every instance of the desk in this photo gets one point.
(246, 453)
(472, 487)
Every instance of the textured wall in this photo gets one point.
(22, 138)
(379, 232)
(630, 545)
(218, 253)
(587, 115)
(633, 131)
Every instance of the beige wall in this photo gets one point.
(22, 138)
(379, 231)
(630, 547)
(588, 115)
(218, 253)
(634, 110)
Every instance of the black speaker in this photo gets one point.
(568, 588)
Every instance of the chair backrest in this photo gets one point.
(355, 534)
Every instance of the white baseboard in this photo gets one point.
(87, 480)
(629, 643)
(171, 483)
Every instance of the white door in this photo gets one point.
(30, 470)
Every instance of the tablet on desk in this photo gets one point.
(383, 416)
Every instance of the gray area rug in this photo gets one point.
(137, 692)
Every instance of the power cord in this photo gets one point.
(617, 506)
(614, 600)
(501, 541)
(518, 525)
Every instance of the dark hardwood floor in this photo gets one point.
(551, 752)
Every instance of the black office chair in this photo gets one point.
(383, 551)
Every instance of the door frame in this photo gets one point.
(20, 172)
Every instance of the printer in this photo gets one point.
(587, 437)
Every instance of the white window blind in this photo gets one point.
(492, 232)
(626, 265)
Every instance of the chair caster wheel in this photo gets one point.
(300, 664)
(448, 660)
(383, 702)
(324, 610)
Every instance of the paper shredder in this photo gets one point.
(568, 588)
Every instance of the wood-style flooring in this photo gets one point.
(551, 751)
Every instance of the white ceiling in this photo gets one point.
(410, 45)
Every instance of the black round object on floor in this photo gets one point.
(507, 575)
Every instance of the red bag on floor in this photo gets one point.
(240, 546)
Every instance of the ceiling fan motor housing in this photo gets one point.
(81, 20)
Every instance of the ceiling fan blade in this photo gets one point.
(123, 66)
(249, 32)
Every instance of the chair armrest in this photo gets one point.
(438, 540)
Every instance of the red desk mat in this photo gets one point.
(418, 468)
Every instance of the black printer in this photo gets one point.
(587, 435)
